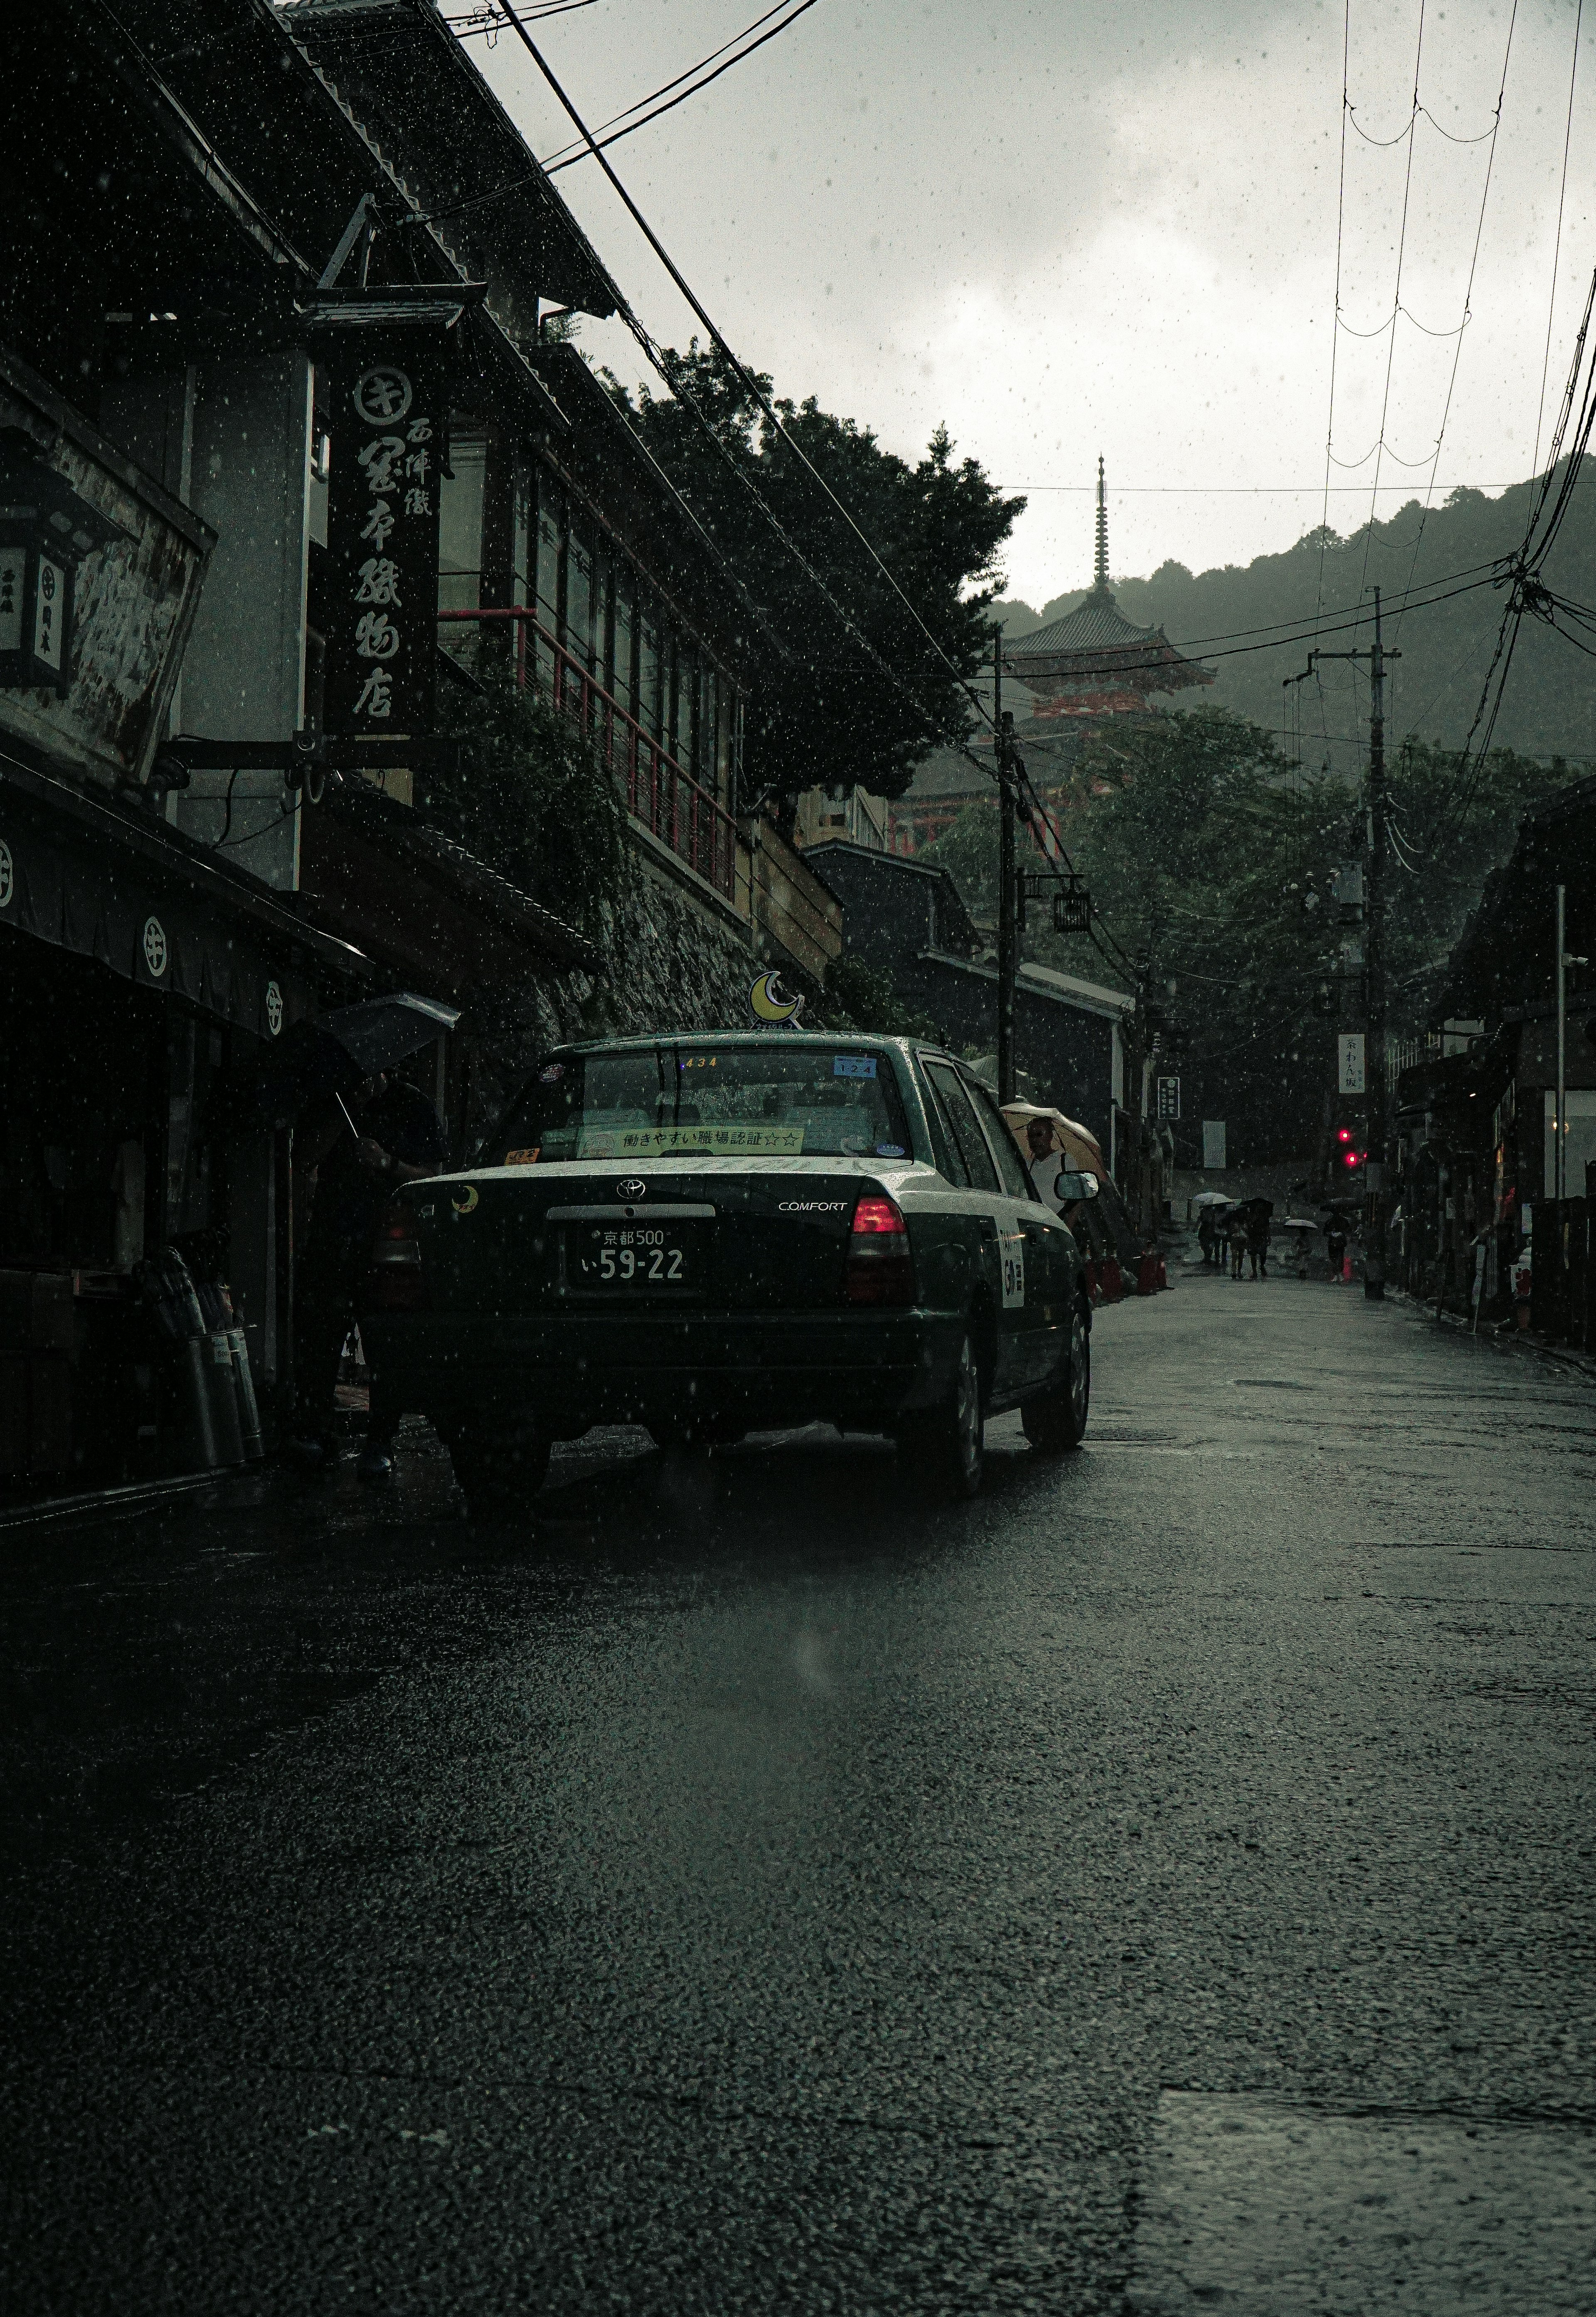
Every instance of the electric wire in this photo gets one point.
(1407, 180)
(1341, 207)
(1468, 305)
(1557, 239)
(566, 156)
(755, 391)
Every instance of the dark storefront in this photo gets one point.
(139, 982)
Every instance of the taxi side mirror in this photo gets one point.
(1069, 1188)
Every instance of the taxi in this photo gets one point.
(715, 1233)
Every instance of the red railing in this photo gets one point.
(664, 797)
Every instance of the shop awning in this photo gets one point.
(82, 876)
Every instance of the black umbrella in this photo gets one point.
(315, 1060)
(380, 1031)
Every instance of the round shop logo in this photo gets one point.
(7, 875)
(154, 946)
(273, 1009)
(382, 395)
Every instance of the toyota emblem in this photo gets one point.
(631, 1188)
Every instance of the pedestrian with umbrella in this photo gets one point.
(365, 1133)
(1258, 1213)
(1209, 1205)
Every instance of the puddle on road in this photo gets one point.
(1262, 2209)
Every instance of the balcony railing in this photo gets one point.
(660, 793)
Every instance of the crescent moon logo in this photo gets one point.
(769, 1003)
(467, 1205)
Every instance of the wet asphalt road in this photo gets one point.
(756, 1894)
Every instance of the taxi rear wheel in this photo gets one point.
(500, 1463)
(946, 1446)
(1055, 1420)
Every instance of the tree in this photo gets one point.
(824, 714)
(1203, 851)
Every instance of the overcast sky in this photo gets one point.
(1067, 227)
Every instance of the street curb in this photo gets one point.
(1517, 1340)
(117, 1504)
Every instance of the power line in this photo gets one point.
(565, 155)
(1557, 242)
(1468, 297)
(1341, 205)
(1255, 490)
(755, 391)
(1407, 180)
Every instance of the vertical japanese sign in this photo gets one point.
(388, 430)
(1169, 1098)
(1350, 1055)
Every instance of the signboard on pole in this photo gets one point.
(1213, 1142)
(1349, 1050)
(387, 412)
(1169, 1099)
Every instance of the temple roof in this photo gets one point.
(1095, 644)
(1094, 625)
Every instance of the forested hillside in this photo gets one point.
(1550, 704)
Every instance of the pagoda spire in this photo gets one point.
(1100, 571)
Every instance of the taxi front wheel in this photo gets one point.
(946, 1445)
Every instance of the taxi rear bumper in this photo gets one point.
(571, 1370)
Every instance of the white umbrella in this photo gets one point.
(1211, 1199)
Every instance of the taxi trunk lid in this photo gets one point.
(506, 1240)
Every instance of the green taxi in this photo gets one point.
(725, 1232)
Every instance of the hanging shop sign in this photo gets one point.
(1350, 1050)
(46, 530)
(100, 575)
(1169, 1098)
(388, 443)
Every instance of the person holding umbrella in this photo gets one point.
(1259, 1211)
(364, 1146)
(361, 1133)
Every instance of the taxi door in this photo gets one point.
(1001, 1217)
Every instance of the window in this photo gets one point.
(1016, 1181)
(767, 1100)
(964, 1126)
(551, 533)
(649, 667)
(949, 1162)
(578, 635)
(623, 679)
(687, 679)
(725, 747)
(520, 534)
(459, 524)
(704, 760)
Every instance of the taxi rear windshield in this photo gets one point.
(710, 1101)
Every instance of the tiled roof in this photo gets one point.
(1098, 621)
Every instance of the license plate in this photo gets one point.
(637, 1259)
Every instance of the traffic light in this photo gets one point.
(1350, 1152)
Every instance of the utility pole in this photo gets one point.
(1008, 946)
(1374, 967)
(1374, 1172)
(1559, 1146)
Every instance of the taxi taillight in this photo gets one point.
(880, 1269)
(396, 1284)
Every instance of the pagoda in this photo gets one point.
(1094, 661)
